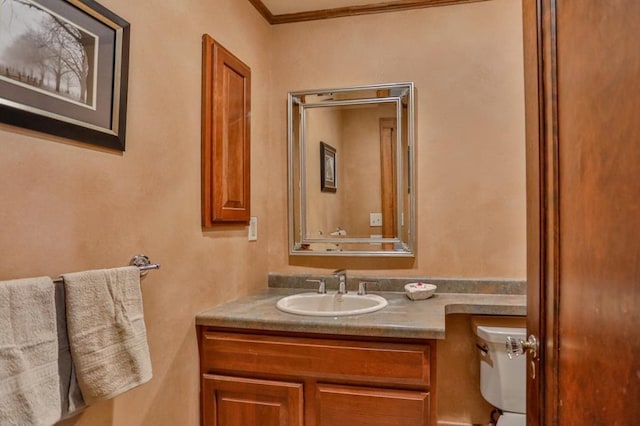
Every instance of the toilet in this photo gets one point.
(502, 380)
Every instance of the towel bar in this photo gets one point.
(140, 260)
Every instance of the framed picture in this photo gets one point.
(64, 69)
(328, 166)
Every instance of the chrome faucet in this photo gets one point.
(342, 280)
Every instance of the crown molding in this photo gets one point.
(264, 11)
(314, 15)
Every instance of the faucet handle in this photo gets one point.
(362, 287)
(322, 287)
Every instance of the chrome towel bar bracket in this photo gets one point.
(140, 260)
(143, 263)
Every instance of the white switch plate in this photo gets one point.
(253, 228)
(375, 219)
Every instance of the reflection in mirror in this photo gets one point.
(350, 165)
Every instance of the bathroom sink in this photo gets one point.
(331, 304)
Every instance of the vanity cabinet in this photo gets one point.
(258, 378)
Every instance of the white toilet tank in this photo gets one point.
(502, 380)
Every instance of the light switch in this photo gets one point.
(253, 228)
(375, 219)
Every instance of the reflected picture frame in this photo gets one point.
(64, 69)
(328, 168)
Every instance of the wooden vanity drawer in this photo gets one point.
(382, 362)
(370, 406)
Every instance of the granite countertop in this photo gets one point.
(402, 318)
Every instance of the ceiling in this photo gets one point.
(287, 11)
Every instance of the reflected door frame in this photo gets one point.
(388, 177)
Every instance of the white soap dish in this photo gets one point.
(419, 291)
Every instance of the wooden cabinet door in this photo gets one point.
(348, 405)
(226, 134)
(236, 401)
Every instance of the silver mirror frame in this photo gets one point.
(401, 248)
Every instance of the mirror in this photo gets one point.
(351, 159)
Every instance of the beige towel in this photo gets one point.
(29, 382)
(106, 331)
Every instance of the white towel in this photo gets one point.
(29, 381)
(106, 331)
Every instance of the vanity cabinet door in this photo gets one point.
(238, 401)
(339, 405)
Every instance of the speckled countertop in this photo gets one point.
(402, 318)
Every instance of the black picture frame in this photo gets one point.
(73, 83)
(328, 168)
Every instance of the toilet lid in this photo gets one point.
(512, 419)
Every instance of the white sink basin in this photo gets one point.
(331, 304)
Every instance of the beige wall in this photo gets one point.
(466, 62)
(68, 207)
(459, 397)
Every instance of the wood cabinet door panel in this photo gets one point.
(340, 405)
(235, 401)
(226, 135)
(397, 363)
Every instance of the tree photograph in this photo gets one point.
(45, 52)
